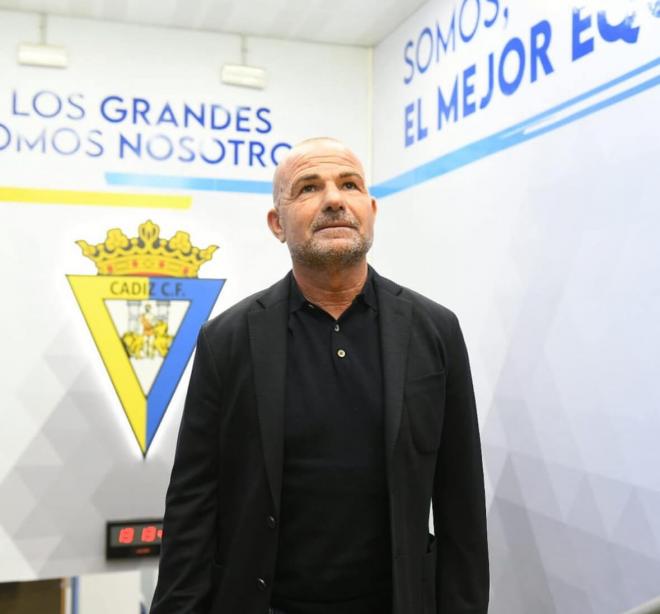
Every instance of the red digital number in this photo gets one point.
(126, 535)
(159, 533)
(148, 534)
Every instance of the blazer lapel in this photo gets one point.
(395, 315)
(268, 325)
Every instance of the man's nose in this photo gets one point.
(333, 198)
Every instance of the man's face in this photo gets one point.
(324, 212)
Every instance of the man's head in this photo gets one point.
(322, 208)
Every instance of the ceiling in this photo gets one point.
(347, 22)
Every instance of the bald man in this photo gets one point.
(324, 416)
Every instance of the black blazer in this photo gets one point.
(222, 508)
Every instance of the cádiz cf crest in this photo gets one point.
(144, 310)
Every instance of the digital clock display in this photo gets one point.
(133, 538)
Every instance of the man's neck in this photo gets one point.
(332, 289)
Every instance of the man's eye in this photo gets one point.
(351, 185)
(308, 188)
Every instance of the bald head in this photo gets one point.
(309, 148)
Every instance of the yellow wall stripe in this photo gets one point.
(103, 199)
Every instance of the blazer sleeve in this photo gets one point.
(186, 564)
(459, 514)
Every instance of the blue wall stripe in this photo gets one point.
(518, 133)
(190, 183)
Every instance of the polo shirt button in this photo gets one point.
(271, 522)
(261, 584)
(341, 353)
(336, 328)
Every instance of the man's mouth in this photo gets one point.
(334, 225)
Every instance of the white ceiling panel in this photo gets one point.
(347, 22)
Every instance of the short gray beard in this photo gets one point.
(313, 255)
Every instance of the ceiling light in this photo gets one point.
(42, 54)
(244, 76)
(48, 56)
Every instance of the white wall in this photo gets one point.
(69, 459)
(542, 236)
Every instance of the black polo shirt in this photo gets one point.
(334, 548)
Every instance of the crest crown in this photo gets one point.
(147, 254)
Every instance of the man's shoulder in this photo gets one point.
(422, 305)
(234, 317)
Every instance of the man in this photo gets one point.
(324, 415)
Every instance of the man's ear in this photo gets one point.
(275, 225)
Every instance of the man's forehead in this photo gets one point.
(320, 159)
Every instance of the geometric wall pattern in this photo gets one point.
(572, 436)
(77, 471)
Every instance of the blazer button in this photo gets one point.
(261, 584)
(271, 522)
